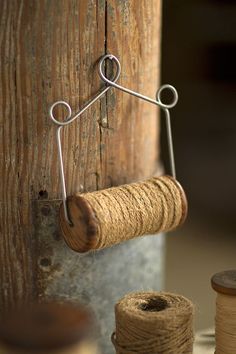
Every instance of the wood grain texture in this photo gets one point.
(48, 52)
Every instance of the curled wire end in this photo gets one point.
(174, 99)
(56, 121)
(69, 118)
(101, 68)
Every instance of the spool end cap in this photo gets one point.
(225, 282)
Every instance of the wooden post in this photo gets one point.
(49, 51)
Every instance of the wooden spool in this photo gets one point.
(85, 232)
(225, 282)
(48, 328)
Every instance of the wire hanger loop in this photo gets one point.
(109, 84)
(158, 100)
(69, 118)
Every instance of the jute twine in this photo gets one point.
(225, 324)
(153, 323)
(136, 209)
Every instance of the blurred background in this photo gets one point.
(199, 59)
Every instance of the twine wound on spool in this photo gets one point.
(153, 323)
(107, 217)
(224, 283)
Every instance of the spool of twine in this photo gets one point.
(153, 323)
(107, 217)
(224, 283)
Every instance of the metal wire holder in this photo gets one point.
(109, 84)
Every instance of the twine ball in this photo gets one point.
(153, 323)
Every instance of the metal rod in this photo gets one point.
(62, 176)
(157, 102)
(170, 143)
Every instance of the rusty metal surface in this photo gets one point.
(98, 279)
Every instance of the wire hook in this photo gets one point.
(157, 102)
(164, 106)
(110, 83)
(69, 119)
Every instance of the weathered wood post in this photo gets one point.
(49, 51)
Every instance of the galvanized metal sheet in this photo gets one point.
(99, 278)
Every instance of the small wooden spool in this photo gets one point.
(50, 328)
(86, 233)
(224, 283)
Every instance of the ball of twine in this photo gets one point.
(153, 323)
